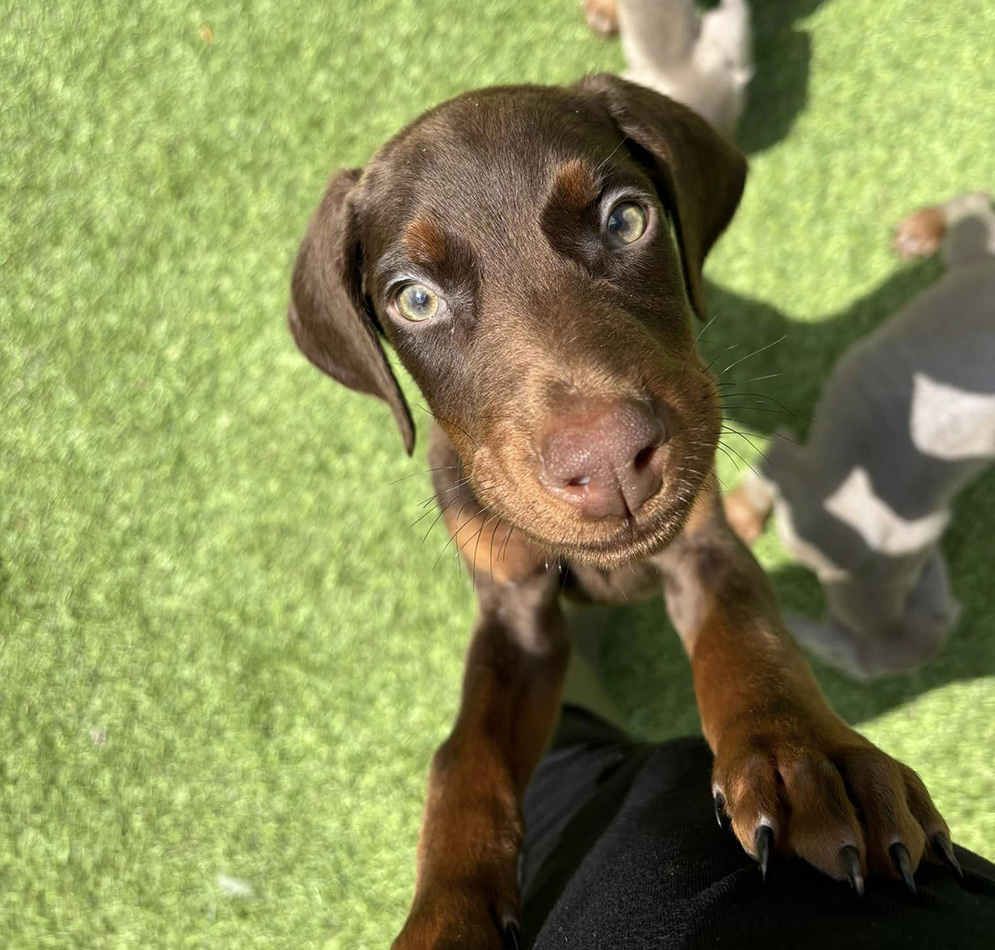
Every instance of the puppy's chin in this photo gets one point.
(604, 545)
(636, 540)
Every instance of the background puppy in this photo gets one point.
(701, 60)
(906, 420)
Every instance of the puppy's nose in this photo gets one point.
(607, 460)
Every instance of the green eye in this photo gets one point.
(416, 302)
(627, 222)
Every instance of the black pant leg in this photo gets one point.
(623, 851)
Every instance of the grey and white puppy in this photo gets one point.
(702, 60)
(906, 419)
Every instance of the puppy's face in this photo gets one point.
(537, 270)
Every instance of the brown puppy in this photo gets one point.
(534, 256)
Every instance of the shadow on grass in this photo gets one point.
(645, 670)
(648, 677)
(778, 91)
(797, 367)
(782, 54)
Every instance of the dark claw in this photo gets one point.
(719, 801)
(900, 855)
(941, 843)
(763, 842)
(850, 857)
(513, 936)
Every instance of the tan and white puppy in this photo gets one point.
(702, 60)
(906, 420)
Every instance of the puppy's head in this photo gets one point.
(534, 256)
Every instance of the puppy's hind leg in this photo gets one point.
(723, 64)
(658, 38)
(726, 32)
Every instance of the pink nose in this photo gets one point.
(606, 461)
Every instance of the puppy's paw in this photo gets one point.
(602, 16)
(743, 514)
(478, 914)
(830, 797)
(920, 234)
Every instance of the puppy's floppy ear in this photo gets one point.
(701, 173)
(328, 314)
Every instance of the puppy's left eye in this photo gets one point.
(626, 223)
(416, 302)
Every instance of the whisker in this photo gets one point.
(425, 514)
(443, 491)
(773, 400)
(743, 435)
(747, 439)
(428, 471)
(504, 545)
(694, 346)
(490, 555)
(780, 412)
(787, 438)
(756, 379)
(611, 153)
(722, 448)
(435, 520)
(731, 346)
(476, 547)
(754, 353)
(740, 457)
(455, 534)
(448, 422)
(421, 517)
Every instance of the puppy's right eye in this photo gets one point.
(626, 223)
(416, 302)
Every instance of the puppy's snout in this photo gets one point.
(606, 461)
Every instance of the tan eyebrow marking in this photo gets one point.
(576, 186)
(424, 243)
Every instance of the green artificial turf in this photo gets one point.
(223, 650)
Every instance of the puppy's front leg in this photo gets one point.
(792, 776)
(467, 893)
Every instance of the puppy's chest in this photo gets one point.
(633, 582)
